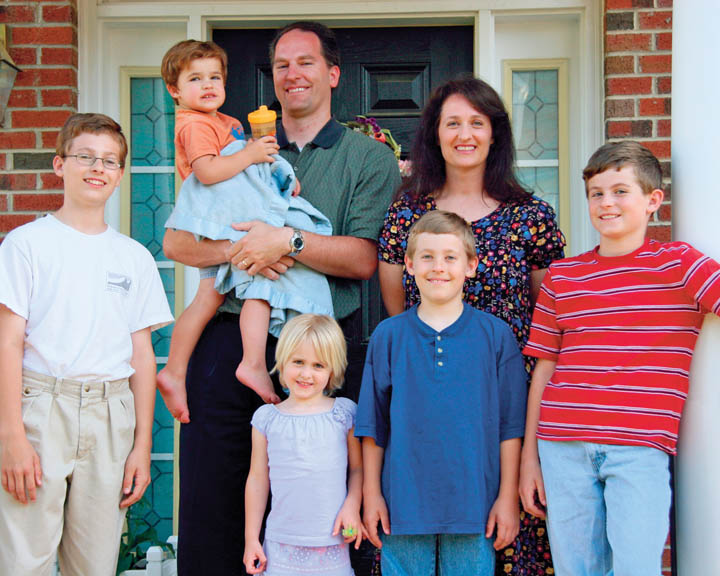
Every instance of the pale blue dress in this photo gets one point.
(308, 458)
(260, 192)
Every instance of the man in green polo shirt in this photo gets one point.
(351, 179)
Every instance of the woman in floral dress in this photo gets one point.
(462, 161)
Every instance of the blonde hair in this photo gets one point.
(181, 54)
(442, 222)
(327, 338)
(90, 123)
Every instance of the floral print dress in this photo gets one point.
(511, 242)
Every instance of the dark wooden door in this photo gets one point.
(386, 73)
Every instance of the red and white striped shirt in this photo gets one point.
(622, 330)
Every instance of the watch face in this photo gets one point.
(297, 243)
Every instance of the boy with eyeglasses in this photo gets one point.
(78, 301)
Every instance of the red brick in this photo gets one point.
(49, 138)
(663, 41)
(665, 213)
(18, 181)
(3, 166)
(24, 56)
(47, 77)
(619, 65)
(618, 129)
(656, 19)
(39, 118)
(628, 85)
(22, 99)
(37, 202)
(619, 108)
(661, 63)
(59, 14)
(44, 35)
(664, 3)
(11, 140)
(661, 148)
(50, 181)
(3, 203)
(627, 42)
(15, 14)
(664, 128)
(53, 56)
(62, 97)
(654, 106)
(661, 232)
(11, 221)
(617, 4)
(663, 85)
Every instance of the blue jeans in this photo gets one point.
(607, 507)
(441, 554)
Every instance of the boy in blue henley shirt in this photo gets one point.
(441, 413)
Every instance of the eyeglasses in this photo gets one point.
(88, 160)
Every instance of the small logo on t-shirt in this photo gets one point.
(117, 283)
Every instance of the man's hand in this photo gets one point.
(137, 476)
(262, 247)
(21, 470)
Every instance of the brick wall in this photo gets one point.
(42, 40)
(638, 60)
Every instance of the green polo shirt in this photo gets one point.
(351, 179)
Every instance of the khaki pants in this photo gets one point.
(83, 433)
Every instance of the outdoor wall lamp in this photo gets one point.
(8, 72)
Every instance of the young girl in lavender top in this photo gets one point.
(305, 450)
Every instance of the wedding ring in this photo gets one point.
(244, 263)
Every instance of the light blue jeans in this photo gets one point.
(441, 554)
(607, 507)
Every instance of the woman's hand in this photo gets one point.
(348, 520)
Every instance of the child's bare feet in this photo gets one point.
(257, 379)
(172, 390)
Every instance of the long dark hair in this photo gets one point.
(428, 165)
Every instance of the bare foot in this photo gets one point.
(172, 390)
(258, 380)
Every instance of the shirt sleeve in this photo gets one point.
(198, 139)
(151, 306)
(373, 413)
(546, 242)
(545, 334)
(392, 241)
(375, 187)
(702, 279)
(512, 379)
(260, 419)
(16, 277)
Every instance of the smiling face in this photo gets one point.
(305, 374)
(302, 78)
(464, 133)
(89, 186)
(200, 86)
(620, 210)
(440, 266)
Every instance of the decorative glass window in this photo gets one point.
(536, 96)
(147, 198)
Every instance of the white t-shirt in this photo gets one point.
(82, 296)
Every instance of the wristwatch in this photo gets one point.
(297, 242)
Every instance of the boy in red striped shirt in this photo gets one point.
(614, 331)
